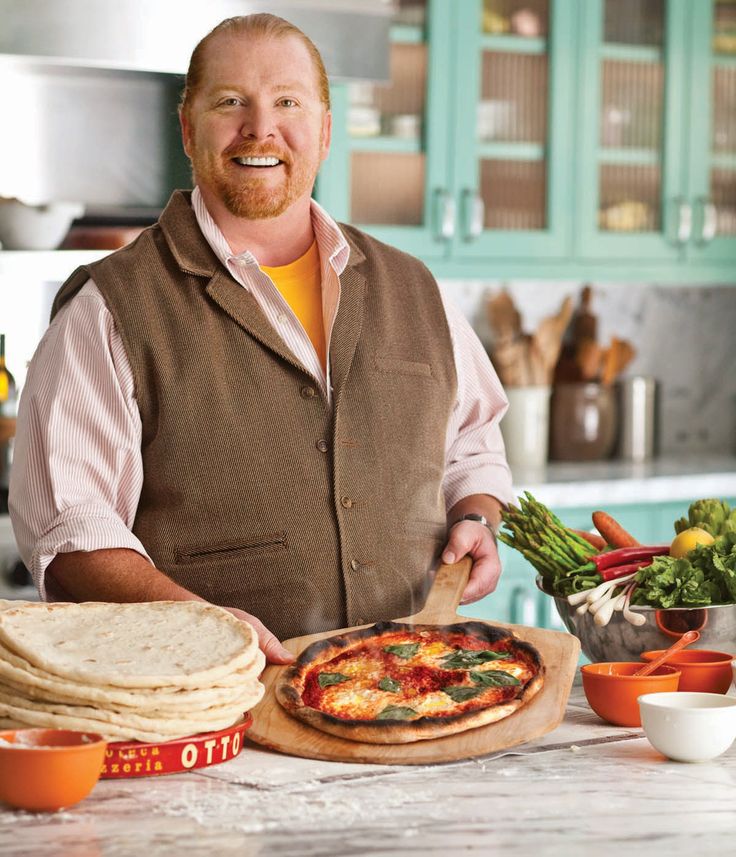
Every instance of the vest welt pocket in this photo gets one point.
(258, 544)
(394, 365)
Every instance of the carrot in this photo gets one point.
(614, 534)
(593, 539)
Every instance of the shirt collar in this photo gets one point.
(332, 244)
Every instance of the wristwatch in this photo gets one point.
(481, 519)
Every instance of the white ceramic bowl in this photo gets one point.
(689, 727)
(36, 227)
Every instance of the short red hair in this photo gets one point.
(260, 24)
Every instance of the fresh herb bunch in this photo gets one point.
(556, 552)
(714, 516)
(707, 575)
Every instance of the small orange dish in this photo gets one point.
(703, 670)
(46, 769)
(612, 689)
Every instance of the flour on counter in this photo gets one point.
(300, 807)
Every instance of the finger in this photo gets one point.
(464, 538)
(483, 580)
(268, 643)
(273, 650)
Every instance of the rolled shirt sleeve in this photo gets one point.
(77, 469)
(475, 455)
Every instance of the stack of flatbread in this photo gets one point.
(147, 672)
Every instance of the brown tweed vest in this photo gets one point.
(256, 493)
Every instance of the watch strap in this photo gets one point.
(481, 519)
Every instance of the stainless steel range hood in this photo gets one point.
(159, 35)
(89, 87)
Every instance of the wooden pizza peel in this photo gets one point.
(274, 728)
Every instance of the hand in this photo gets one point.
(471, 538)
(270, 646)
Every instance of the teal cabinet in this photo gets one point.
(389, 167)
(511, 137)
(631, 197)
(711, 188)
(465, 155)
(554, 138)
(657, 132)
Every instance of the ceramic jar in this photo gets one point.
(583, 422)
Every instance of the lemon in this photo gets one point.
(688, 540)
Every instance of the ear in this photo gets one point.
(186, 132)
(326, 134)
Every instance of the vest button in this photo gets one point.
(346, 502)
(355, 565)
(322, 445)
(308, 392)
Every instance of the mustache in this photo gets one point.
(241, 151)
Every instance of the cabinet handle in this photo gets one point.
(710, 220)
(474, 210)
(684, 220)
(444, 215)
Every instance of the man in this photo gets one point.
(251, 405)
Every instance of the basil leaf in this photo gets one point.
(462, 659)
(461, 693)
(404, 650)
(389, 684)
(396, 712)
(327, 679)
(494, 678)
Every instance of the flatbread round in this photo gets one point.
(185, 644)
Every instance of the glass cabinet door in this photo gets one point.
(392, 179)
(631, 181)
(511, 161)
(713, 132)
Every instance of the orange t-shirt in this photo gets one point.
(300, 284)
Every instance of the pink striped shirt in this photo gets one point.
(77, 470)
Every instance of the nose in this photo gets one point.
(258, 123)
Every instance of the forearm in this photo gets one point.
(478, 504)
(114, 575)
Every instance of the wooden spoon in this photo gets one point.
(685, 640)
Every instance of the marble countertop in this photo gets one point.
(586, 788)
(606, 483)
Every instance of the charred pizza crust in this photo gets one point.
(292, 686)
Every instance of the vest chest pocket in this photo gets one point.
(267, 543)
(396, 366)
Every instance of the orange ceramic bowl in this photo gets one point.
(612, 690)
(46, 769)
(703, 671)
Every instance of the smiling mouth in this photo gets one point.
(262, 162)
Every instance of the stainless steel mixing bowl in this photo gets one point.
(619, 640)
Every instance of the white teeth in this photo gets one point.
(258, 162)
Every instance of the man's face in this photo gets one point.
(259, 98)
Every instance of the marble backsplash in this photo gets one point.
(684, 337)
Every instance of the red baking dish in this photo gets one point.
(138, 759)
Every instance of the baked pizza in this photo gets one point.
(394, 683)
